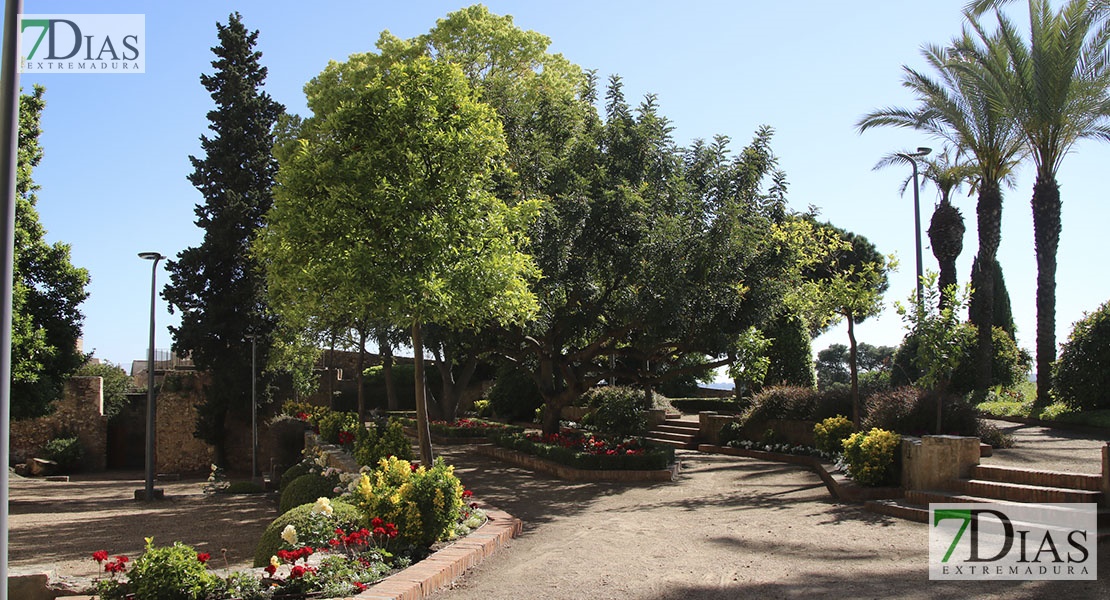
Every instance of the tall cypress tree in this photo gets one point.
(47, 288)
(217, 287)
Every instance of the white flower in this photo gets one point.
(322, 507)
(289, 534)
(274, 562)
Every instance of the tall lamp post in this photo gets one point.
(254, 405)
(150, 424)
(912, 159)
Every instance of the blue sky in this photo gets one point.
(117, 146)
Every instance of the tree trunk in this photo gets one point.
(854, 370)
(386, 352)
(453, 386)
(989, 216)
(423, 432)
(1046, 236)
(358, 376)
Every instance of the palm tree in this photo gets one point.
(946, 227)
(1055, 87)
(954, 107)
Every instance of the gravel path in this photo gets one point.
(1049, 449)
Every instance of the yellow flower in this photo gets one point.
(274, 562)
(289, 534)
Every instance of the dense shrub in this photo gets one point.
(423, 503)
(588, 451)
(306, 489)
(829, 434)
(1081, 376)
(872, 457)
(381, 440)
(115, 382)
(911, 411)
(483, 408)
(790, 353)
(731, 432)
(373, 384)
(783, 402)
(514, 394)
(169, 573)
(292, 473)
(990, 434)
(66, 451)
(616, 410)
(1010, 366)
(310, 527)
(332, 423)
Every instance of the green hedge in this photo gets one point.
(451, 431)
(695, 405)
(656, 457)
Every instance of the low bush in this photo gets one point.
(333, 423)
(695, 405)
(483, 408)
(782, 402)
(617, 410)
(588, 451)
(306, 489)
(66, 451)
(381, 440)
(872, 457)
(732, 431)
(169, 573)
(514, 395)
(292, 473)
(990, 434)
(828, 435)
(424, 503)
(911, 411)
(311, 527)
(469, 428)
(1081, 376)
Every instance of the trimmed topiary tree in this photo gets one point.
(306, 489)
(1081, 376)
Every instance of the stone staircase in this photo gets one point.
(675, 432)
(1001, 485)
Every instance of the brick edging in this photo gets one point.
(564, 472)
(838, 485)
(446, 565)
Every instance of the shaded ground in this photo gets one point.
(57, 526)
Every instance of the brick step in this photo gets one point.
(924, 498)
(681, 445)
(674, 437)
(668, 428)
(1056, 479)
(1018, 492)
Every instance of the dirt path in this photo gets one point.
(729, 528)
(57, 526)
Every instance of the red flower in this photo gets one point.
(203, 557)
(303, 416)
(379, 531)
(122, 559)
(100, 555)
(300, 571)
(467, 493)
(473, 505)
(346, 437)
(360, 586)
(376, 522)
(271, 569)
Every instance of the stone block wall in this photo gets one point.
(80, 412)
(176, 449)
(932, 461)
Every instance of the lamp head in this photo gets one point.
(922, 151)
(151, 255)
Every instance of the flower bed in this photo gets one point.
(466, 428)
(584, 450)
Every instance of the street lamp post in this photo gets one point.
(150, 407)
(912, 158)
(254, 405)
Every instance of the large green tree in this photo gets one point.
(47, 288)
(955, 105)
(217, 286)
(385, 197)
(1054, 82)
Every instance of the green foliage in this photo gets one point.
(872, 457)
(791, 353)
(114, 385)
(292, 473)
(1002, 313)
(169, 573)
(294, 408)
(696, 405)
(874, 362)
(514, 394)
(483, 408)
(731, 432)
(1082, 373)
(988, 433)
(783, 402)
(751, 360)
(829, 434)
(1005, 403)
(334, 422)
(311, 527)
(47, 289)
(941, 337)
(306, 489)
(617, 410)
(217, 286)
(423, 503)
(912, 411)
(1009, 368)
(373, 381)
(242, 487)
(653, 458)
(382, 440)
(66, 451)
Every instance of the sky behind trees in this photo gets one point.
(116, 146)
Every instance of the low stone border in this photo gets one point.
(441, 568)
(535, 463)
(838, 485)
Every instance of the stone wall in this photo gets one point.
(932, 461)
(176, 449)
(80, 412)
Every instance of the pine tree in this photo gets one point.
(217, 287)
(47, 290)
